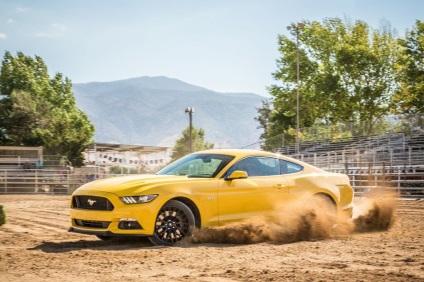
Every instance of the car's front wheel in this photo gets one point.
(174, 222)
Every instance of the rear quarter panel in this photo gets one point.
(306, 184)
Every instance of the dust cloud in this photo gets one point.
(375, 213)
(293, 224)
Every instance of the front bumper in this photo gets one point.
(109, 222)
(100, 233)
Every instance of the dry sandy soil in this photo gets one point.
(35, 246)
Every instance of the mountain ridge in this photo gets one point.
(151, 111)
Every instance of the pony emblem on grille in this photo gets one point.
(91, 202)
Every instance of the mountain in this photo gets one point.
(151, 111)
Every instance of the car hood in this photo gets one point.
(130, 185)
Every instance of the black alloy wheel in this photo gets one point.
(174, 222)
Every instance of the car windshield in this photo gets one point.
(197, 165)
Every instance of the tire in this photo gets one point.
(104, 237)
(323, 203)
(174, 222)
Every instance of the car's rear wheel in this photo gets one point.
(174, 222)
(323, 203)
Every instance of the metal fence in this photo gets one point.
(406, 180)
(58, 181)
(41, 181)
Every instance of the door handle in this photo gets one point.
(279, 186)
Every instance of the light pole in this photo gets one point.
(296, 29)
(190, 111)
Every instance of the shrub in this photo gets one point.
(123, 170)
(2, 216)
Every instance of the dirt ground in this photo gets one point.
(35, 246)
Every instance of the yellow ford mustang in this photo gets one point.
(207, 188)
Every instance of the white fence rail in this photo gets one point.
(39, 181)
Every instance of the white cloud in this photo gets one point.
(21, 9)
(44, 34)
(2, 36)
(60, 27)
(10, 21)
(56, 30)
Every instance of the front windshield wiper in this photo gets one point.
(199, 176)
(176, 174)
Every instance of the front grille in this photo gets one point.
(92, 203)
(92, 223)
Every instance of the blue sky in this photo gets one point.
(222, 45)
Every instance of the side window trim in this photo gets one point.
(287, 167)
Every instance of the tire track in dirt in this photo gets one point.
(38, 215)
(46, 216)
(38, 226)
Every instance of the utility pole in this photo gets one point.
(296, 29)
(190, 111)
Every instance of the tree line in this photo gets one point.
(39, 110)
(348, 73)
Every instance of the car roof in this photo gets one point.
(238, 152)
(241, 153)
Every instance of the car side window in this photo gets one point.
(289, 167)
(257, 166)
(270, 166)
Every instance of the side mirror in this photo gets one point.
(237, 174)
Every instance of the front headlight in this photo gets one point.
(138, 199)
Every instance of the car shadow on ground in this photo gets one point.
(119, 244)
(116, 244)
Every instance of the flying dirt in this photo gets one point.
(291, 224)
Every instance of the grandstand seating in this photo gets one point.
(394, 161)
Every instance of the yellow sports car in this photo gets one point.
(207, 188)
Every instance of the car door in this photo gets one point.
(257, 195)
(298, 186)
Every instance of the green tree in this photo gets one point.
(277, 126)
(125, 170)
(347, 74)
(410, 97)
(182, 145)
(36, 110)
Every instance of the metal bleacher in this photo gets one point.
(393, 161)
